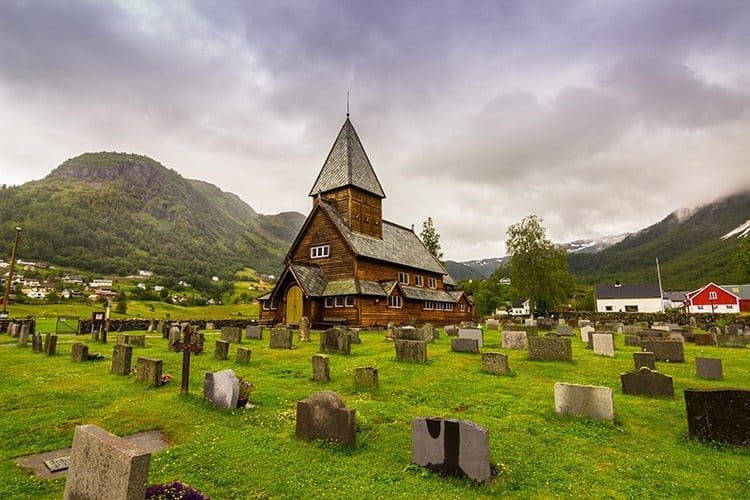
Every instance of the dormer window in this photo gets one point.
(418, 280)
(432, 282)
(403, 278)
(320, 251)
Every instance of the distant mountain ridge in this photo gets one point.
(118, 212)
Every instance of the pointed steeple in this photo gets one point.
(347, 165)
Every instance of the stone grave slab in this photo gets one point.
(550, 348)
(705, 339)
(222, 389)
(709, 368)
(243, 355)
(254, 332)
(324, 416)
(122, 358)
(671, 351)
(493, 324)
(632, 341)
(451, 330)
(465, 345)
(413, 351)
(586, 332)
(221, 350)
(647, 382)
(451, 447)
(603, 345)
(365, 377)
(599, 332)
(733, 341)
(281, 338)
(584, 401)
(149, 371)
(515, 340)
(50, 344)
(335, 340)
(137, 340)
(231, 334)
(495, 363)
(321, 371)
(644, 358)
(564, 330)
(720, 415)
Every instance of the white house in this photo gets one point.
(100, 283)
(629, 298)
(143, 272)
(520, 308)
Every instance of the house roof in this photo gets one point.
(628, 291)
(347, 165)
(372, 288)
(311, 278)
(398, 246)
(340, 287)
(741, 291)
(675, 296)
(265, 296)
(415, 292)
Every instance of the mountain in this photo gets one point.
(693, 246)
(593, 246)
(474, 269)
(114, 213)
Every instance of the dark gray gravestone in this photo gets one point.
(451, 330)
(354, 335)
(36, 343)
(50, 344)
(222, 388)
(243, 355)
(321, 371)
(324, 416)
(148, 371)
(451, 447)
(495, 362)
(632, 340)
(644, 359)
(231, 334)
(255, 332)
(550, 349)
(736, 341)
(651, 334)
(79, 352)
(647, 382)
(709, 368)
(365, 377)
(281, 338)
(465, 345)
(672, 351)
(122, 358)
(564, 331)
(414, 351)
(221, 350)
(705, 339)
(130, 339)
(335, 340)
(721, 415)
(409, 333)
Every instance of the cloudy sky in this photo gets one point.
(600, 117)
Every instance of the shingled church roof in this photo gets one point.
(347, 164)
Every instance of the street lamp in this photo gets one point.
(4, 314)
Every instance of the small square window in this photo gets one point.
(418, 280)
(432, 283)
(403, 278)
(329, 302)
(349, 301)
(394, 301)
(320, 251)
(339, 301)
(712, 295)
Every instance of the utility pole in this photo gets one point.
(661, 291)
(10, 272)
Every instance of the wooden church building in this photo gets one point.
(349, 266)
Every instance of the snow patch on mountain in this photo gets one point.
(595, 245)
(740, 231)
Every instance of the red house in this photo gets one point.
(715, 299)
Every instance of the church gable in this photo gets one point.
(320, 243)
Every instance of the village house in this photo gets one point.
(520, 308)
(349, 265)
(719, 299)
(629, 298)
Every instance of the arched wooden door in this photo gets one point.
(294, 310)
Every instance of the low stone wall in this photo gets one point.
(125, 325)
(679, 318)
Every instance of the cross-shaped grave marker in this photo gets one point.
(190, 343)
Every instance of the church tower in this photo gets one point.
(349, 183)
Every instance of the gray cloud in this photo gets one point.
(475, 113)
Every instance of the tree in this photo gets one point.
(121, 303)
(538, 269)
(431, 238)
(742, 260)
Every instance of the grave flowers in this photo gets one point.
(175, 489)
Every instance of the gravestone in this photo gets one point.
(529, 329)
(281, 338)
(324, 416)
(644, 359)
(148, 371)
(679, 337)
(390, 333)
(122, 358)
(254, 332)
(428, 332)
(451, 330)
(231, 334)
(321, 371)
(652, 334)
(545, 324)
(210, 326)
(465, 345)
(365, 377)
(603, 345)
(630, 329)
(103, 465)
(647, 382)
(335, 340)
(721, 415)
(414, 351)
(584, 322)
(23, 337)
(471, 333)
(221, 350)
(130, 339)
(584, 401)
(600, 332)
(496, 363)
(50, 344)
(304, 329)
(661, 326)
(493, 324)
(632, 340)
(79, 352)
(550, 348)
(37, 345)
(13, 329)
(514, 340)
(564, 330)
(174, 334)
(709, 368)
(451, 447)
(705, 339)
(354, 335)
(617, 327)
(408, 333)
(733, 341)
(243, 355)
(586, 332)
(671, 351)
(222, 389)
(734, 329)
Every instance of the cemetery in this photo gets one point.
(402, 418)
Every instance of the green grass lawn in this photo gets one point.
(253, 453)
